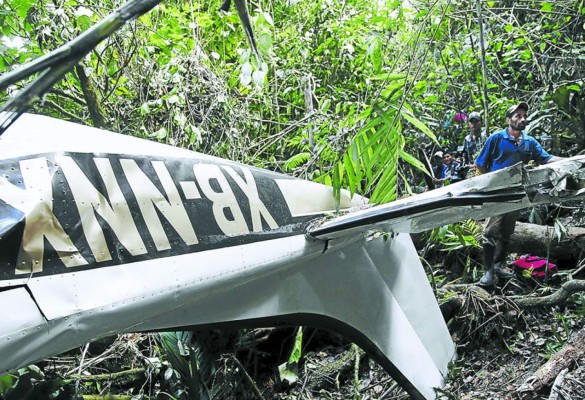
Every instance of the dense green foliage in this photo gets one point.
(346, 93)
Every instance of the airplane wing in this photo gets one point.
(102, 233)
(513, 188)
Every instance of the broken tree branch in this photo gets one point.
(558, 385)
(559, 297)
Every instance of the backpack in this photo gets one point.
(536, 264)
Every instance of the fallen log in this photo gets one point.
(540, 240)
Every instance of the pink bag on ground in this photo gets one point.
(537, 264)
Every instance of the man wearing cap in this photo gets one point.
(437, 162)
(503, 149)
(474, 141)
(446, 169)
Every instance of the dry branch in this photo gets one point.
(555, 299)
(558, 385)
(130, 374)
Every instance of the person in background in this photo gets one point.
(447, 169)
(473, 142)
(437, 163)
(503, 149)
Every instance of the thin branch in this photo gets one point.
(64, 112)
(248, 377)
(107, 377)
(59, 92)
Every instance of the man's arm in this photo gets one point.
(466, 158)
(555, 159)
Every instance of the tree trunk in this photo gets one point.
(91, 99)
(539, 240)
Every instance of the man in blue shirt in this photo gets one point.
(446, 170)
(503, 149)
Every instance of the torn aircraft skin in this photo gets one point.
(102, 233)
(513, 188)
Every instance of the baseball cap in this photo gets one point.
(512, 110)
(438, 154)
(474, 115)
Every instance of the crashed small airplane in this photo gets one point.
(102, 233)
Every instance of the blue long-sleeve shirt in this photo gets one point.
(501, 150)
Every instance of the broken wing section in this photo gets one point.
(372, 290)
(482, 196)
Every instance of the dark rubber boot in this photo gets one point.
(488, 278)
(503, 272)
(500, 260)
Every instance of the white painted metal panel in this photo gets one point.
(20, 313)
(363, 289)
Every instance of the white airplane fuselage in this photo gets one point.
(103, 233)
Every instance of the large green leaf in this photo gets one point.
(21, 7)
